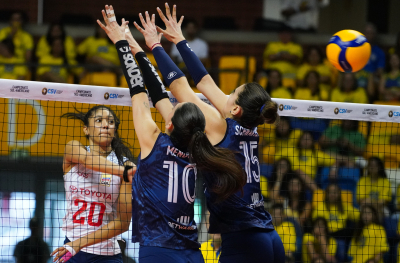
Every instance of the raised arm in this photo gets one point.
(203, 80)
(75, 153)
(180, 88)
(115, 227)
(145, 127)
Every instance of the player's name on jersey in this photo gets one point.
(245, 132)
(176, 152)
(90, 192)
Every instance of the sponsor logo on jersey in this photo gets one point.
(89, 192)
(105, 179)
(283, 107)
(171, 75)
(183, 223)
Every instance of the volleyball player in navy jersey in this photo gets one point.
(246, 228)
(164, 184)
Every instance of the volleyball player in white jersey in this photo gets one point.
(97, 197)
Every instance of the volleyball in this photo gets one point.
(348, 50)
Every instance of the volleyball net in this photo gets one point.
(324, 165)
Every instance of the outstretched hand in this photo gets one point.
(131, 40)
(149, 30)
(173, 31)
(113, 30)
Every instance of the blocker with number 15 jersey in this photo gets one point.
(164, 192)
(91, 203)
(239, 212)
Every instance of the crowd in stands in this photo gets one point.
(324, 182)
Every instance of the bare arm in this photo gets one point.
(115, 227)
(75, 153)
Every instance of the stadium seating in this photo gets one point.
(228, 81)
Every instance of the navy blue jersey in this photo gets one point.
(163, 193)
(239, 212)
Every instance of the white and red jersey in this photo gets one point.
(91, 203)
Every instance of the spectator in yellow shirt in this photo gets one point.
(99, 50)
(22, 40)
(7, 56)
(306, 158)
(283, 55)
(56, 30)
(315, 61)
(319, 243)
(348, 91)
(374, 189)
(284, 137)
(337, 214)
(312, 89)
(369, 242)
(211, 249)
(274, 85)
(285, 229)
(335, 211)
(53, 67)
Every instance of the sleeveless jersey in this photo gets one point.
(91, 203)
(163, 194)
(239, 212)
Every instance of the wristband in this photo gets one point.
(153, 83)
(193, 64)
(125, 175)
(154, 45)
(70, 249)
(168, 69)
(130, 68)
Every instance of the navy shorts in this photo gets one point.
(149, 254)
(93, 258)
(253, 245)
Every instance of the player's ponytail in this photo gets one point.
(117, 144)
(227, 174)
(257, 106)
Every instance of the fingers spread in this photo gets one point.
(153, 19)
(105, 17)
(142, 20)
(174, 13)
(148, 20)
(101, 25)
(161, 14)
(181, 20)
(167, 11)
(141, 30)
